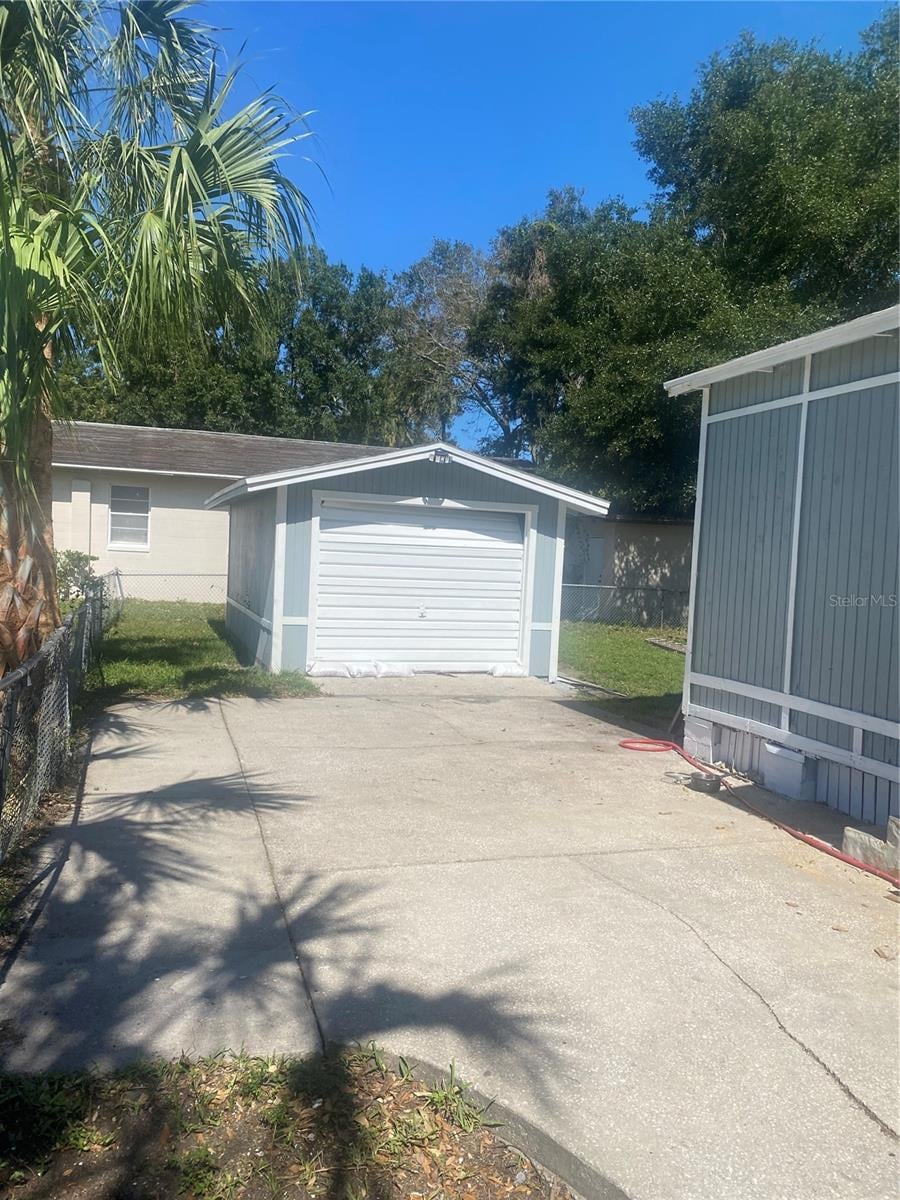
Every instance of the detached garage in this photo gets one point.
(424, 559)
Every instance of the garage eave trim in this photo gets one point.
(579, 501)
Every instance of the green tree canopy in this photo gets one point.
(784, 160)
(594, 310)
(334, 363)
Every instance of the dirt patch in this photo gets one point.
(341, 1126)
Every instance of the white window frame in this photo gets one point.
(133, 547)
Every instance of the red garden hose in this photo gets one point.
(654, 745)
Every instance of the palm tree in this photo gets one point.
(135, 201)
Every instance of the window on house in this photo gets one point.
(129, 516)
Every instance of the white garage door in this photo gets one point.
(431, 588)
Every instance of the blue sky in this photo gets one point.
(452, 119)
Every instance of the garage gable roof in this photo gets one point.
(436, 451)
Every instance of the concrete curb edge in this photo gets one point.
(523, 1135)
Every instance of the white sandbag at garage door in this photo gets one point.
(432, 588)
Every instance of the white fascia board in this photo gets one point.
(581, 501)
(145, 471)
(884, 321)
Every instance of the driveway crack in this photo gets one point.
(754, 991)
(270, 866)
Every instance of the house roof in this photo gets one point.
(437, 451)
(92, 445)
(884, 321)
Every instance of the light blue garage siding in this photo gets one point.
(251, 562)
(843, 648)
(450, 481)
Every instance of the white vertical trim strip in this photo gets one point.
(695, 547)
(795, 543)
(558, 560)
(313, 598)
(529, 534)
(278, 578)
(857, 743)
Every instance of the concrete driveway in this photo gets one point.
(678, 995)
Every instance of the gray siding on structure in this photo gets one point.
(252, 639)
(845, 635)
(251, 553)
(745, 390)
(858, 360)
(846, 646)
(740, 602)
(251, 565)
(856, 793)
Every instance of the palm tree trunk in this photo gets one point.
(41, 463)
(29, 609)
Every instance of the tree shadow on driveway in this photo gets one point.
(159, 930)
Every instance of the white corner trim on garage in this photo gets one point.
(398, 581)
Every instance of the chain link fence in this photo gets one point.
(36, 708)
(192, 587)
(633, 608)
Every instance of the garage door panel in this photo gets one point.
(425, 550)
(410, 560)
(430, 588)
(388, 534)
(347, 586)
(382, 523)
(416, 629)
(398, 573)
(363, 641)
(418, 657)
(407, 610)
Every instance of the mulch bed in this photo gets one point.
(341, 1126)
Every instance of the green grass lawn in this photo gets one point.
(179, 650)
(623, 660)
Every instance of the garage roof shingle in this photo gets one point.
(192, 451)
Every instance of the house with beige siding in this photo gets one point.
(134, 497)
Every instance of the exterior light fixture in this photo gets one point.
(441, 456)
